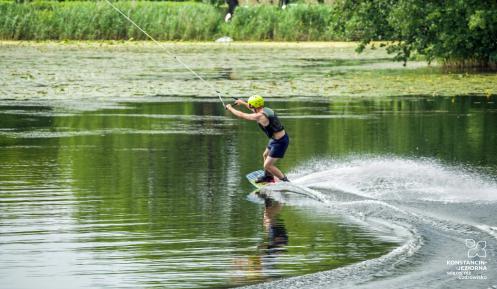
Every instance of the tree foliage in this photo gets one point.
(457, 32)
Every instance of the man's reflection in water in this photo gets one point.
(275, 228)
(262, 265)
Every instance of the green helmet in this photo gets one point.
(256, 101)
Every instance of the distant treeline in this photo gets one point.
(461, 33)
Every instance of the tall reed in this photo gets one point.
(96, 20)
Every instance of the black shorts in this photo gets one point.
(277, 147)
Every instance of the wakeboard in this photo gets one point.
(251, 177)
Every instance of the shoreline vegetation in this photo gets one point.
(148, 43)
(456, 35)
(165, 21)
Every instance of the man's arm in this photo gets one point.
(242, 115)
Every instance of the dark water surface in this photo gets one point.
(153, 195)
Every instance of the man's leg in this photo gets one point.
(264, 157)
(265, 154)
(269, 165)
(268, 176)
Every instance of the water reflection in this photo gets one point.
(128, 201)
(277, 236)
(272, 245)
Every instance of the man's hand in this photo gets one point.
(247, 116)
(239, 101)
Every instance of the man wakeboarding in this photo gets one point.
(269, 122)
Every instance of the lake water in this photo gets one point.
(118, 170)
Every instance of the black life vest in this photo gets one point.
(274, 123)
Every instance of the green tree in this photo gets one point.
(456, 32)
